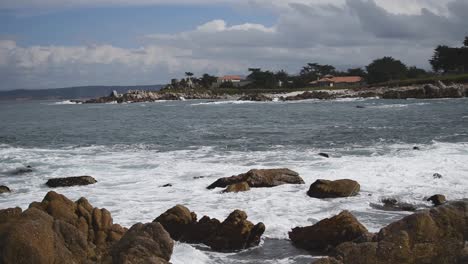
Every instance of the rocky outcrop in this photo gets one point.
(57, 230)
(4, 189)
(237, 187)
(431, 236)
(256, 98)
(328, 233)
(321, 95)
(143, 243)
(428, 91)
(235, 233)
(333, 189)
(437, 199)
(261, 178)
(70, 181)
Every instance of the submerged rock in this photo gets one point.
(437, 199)
(4, 189)
(393, 204)
(261, 178)
(235, 233)
(70, 181)
(431, 236)
(24, 170)
(437, 176)
(57, 230)
(334, 189)
(325, 155)
(237, 187)
(328, 233)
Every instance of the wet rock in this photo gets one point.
(321, 95)
(256, 98)
(327, 261)
(24, 170)
(334, 189)
(166, 185)
(360, 107)
(235, 233)
(71, 181)
(437, 199)
(325, 155)
(261, 178)
(431, 236)
(177, 221)
(393, 204)
(237, 187)
(4, 189)
(9, 214)
(328, 233)
(198, 177)
(143, 243)
(437, 176)
(416, 148)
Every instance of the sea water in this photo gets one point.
(134, 149)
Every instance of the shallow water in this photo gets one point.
(134, 149)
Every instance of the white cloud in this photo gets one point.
(338, 32)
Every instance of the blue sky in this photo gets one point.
(60, 43)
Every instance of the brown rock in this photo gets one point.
(261, 178)
(327, 261)
(333, 189)
(4, 189)
(393, 204)
(9, 214)
(238, 187)
(431, 236)
(328, 233)
(70, 181)
(177, 221)
(143, 243)
(437, 199)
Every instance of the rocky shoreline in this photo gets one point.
(58, 230)
(427, 91)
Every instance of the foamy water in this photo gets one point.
(195, 151)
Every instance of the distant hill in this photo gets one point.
(72, 92)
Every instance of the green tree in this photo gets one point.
(415, 72)
(356, 72)
(262, 79)
(386, 69)
(465, 43)
(207, 80)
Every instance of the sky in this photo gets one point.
(62, 43)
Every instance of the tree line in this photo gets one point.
(446, 60)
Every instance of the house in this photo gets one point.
(338, 81)
(236, 80)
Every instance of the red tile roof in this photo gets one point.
(343, 79)
(231, 77)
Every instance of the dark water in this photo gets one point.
(249, 126)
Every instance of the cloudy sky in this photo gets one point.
(59, 43)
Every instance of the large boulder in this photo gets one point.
(333, 189)
(261, 178)
(437, 199)
(57, 230)
(4, 189)
(143, 243)
(431, 236)
(235, 233)
(70, 181)
(328, 233)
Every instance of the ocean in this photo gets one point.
(134, 149)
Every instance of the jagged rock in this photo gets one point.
(143, 243)
(235, 233)
(333, 189)
(325, 155)
(177, 221)
(431, 236)
(261, 178)
(328, 233)
(256, 98)
(437, 199)
(70, 181)
(237, 187)
(4, 189)
(392, 204)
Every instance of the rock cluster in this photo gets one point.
(321, 95)
(256, 98)
(260, 178)
(58, 230)
(70, 181)
(333, 189)
(234, 233)
(431, 236)
(428, 91)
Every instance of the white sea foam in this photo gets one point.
(129, 181)
(66, 102)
